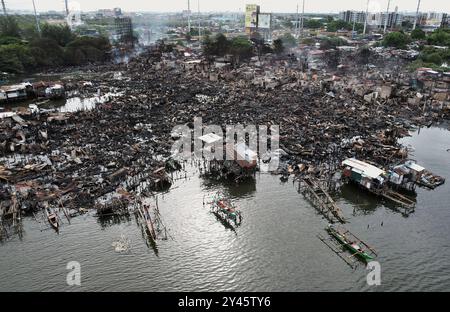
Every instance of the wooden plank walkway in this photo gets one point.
(313, 191)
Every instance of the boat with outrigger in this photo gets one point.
(342, 240)
(225, 210)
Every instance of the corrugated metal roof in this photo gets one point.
(367, 169)
(210, 138)
(414, 166)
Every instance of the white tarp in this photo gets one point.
(210, 138)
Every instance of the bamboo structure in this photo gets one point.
(313, 191)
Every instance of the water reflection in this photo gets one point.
(246, 188)
(113, 219)
(149, 242)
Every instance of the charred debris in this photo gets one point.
(105, 157)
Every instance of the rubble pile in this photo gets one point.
(122, 147)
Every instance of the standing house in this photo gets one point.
(16, 92)
(364, 174)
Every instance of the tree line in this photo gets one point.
(23, 49)
(434, 47)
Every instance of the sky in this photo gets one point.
(311, 6)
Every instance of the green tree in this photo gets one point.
(278, 46)
(47, 52)
(440, 37)
(241, 48)
(313, 24)
(222, 45)
(288, 40)
(61, 34)
(396, 39)
(16, 58)
(418, 34)
(339, 25)
(9, 27)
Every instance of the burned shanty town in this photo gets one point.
(299, 144)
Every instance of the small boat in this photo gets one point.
(52, 218)
(428, 179)
(352, 246)
(225, 209)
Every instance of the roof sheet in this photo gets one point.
(367, 169)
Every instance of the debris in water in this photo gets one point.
(123, 245)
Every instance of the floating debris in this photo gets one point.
(123, 245)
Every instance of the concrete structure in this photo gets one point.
(123, 29)
(391, 19)
(352, 16)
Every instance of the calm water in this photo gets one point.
(275, 248)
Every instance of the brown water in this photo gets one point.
(275, 248)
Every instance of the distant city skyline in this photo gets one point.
(280, 6)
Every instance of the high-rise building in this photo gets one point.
(393, 19)
(352, 16)
(123, 29)
(445, 20)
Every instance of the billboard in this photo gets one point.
(251, 15)
(264, 20)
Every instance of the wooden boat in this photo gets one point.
(52, 218)
(352, 245)
(428, 179)
(224, 208)
(149, 222)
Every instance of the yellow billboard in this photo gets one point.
(251, 15)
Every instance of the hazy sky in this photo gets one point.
(234, 5)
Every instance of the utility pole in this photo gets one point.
(199, 21)
(417, 14)
(303, 17)
(37, 20)
(189, 17)
(4, 7)
(387, 16)
(367, 16)
(297, 25)
(66, 2)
